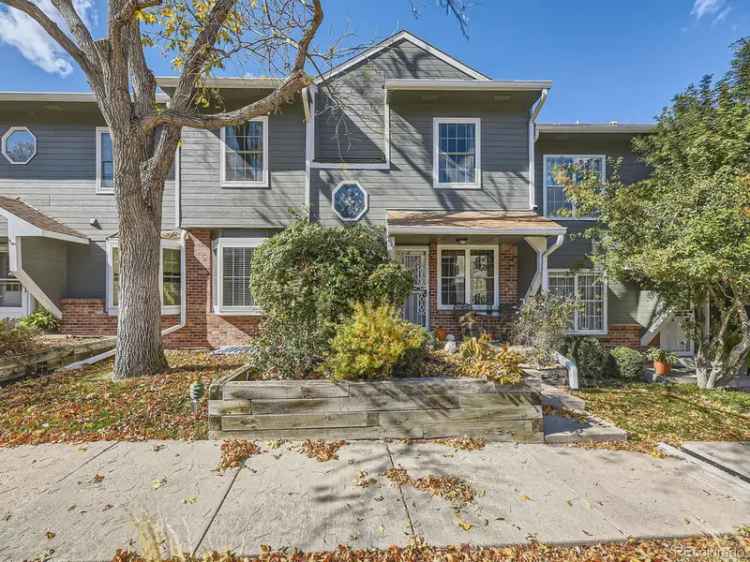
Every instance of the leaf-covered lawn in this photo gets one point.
(672, 413)
(85, 405)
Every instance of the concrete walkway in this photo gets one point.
(68, 502)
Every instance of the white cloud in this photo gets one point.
(703, 8)
(22, 32)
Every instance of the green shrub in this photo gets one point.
(16, 339)
(626, 363)
(375, 344)
(306, 278)
(541, 325)
(589, 355)
(40, 319)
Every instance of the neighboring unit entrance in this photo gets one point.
(673, 337)
(415, 260)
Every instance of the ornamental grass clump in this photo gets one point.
(375, 344)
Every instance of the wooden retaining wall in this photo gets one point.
(50, 359)
(401, 408)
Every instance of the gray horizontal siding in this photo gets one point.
(46, 263)
(87, 271)
(408, 184)
(206, 204)
(350, 123)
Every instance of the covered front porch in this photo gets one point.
(33, 259)
(483, 262)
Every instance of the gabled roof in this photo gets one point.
(37, 223)
(448, 85)
(613, 127)
(413, 39)
(517, 223)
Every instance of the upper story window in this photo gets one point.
(11, 292)
(19, 145)
(234, 259)
(556, 203)
(457, 153)
(171, 276)
(589, 289)
(468, 277)
(105, 164)
(244, 154)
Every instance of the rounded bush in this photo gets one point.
(591, 357)
(627, 363)
(376, 344)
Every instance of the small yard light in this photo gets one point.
(197, 389)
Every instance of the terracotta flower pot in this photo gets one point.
(661, 368)
(440, 334)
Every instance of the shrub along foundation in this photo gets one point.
(396, 408)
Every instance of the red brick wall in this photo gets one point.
(496, 325)
(622, 334)
(89, 317)
(203, 328)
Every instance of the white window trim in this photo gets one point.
(100, 189)
(219, 246)
(467, 280)
(4, 141)
(333, 201)
(113, 310)
(223, 159)
(545, 157)
(436, 122)
(605, 303)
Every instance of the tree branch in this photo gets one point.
(87, 64)
(188, 118)
(126, 13)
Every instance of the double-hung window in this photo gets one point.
(556, 202)
(105, 164)
(468, 277)
(244, 154)
(457, 153)
(233, 258)
(171, 272)
(589, 289)
(11, 292)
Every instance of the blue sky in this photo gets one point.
(609, 60)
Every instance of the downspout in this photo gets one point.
(545, 256)
(541, 279)
(308, 105)
(533, 136)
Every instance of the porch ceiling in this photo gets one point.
(496, 223)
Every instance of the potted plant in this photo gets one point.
(663, 360)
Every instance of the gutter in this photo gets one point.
(533, 136)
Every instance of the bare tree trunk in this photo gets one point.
(139, 348)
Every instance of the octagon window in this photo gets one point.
(349, 201)
(19, 145)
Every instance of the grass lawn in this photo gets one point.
(672, 413)
(85, 405)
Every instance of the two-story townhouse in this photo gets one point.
(451, 163)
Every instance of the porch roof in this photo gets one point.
(509, 223)
(33, 222)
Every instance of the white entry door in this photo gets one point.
(673, 337)
(415, 260)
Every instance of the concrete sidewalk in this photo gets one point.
(67, 502)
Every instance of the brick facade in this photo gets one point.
(496, 324)
(622, 334)
(203, 328)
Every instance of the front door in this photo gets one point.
(673, 336)
(415, 308)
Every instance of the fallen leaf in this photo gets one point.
(107, 507)
(525, 499)
(190, 500)
(50, 535)
(156, 484)
(98, 478)
(465, 525)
